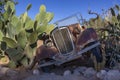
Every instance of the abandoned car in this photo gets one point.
(66, 43)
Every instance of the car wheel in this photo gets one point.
(97, 58)
(97, 53)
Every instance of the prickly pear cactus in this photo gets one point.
(18, 35)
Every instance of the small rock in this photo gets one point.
(89, 72)
(67, 72)
(76, 73)
(112, 75)
(101, 74)
(52, 73)
(80, 69)
(36, 72)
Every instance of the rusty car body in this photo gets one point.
(67, 43)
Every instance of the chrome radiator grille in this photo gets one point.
(63, 41)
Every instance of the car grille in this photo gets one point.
(62, 39)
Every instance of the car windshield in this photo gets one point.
(76, 18)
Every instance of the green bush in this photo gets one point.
(108, 29)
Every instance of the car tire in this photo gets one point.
(97, 52)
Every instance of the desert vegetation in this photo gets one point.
(107, 26)
(19, 34)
